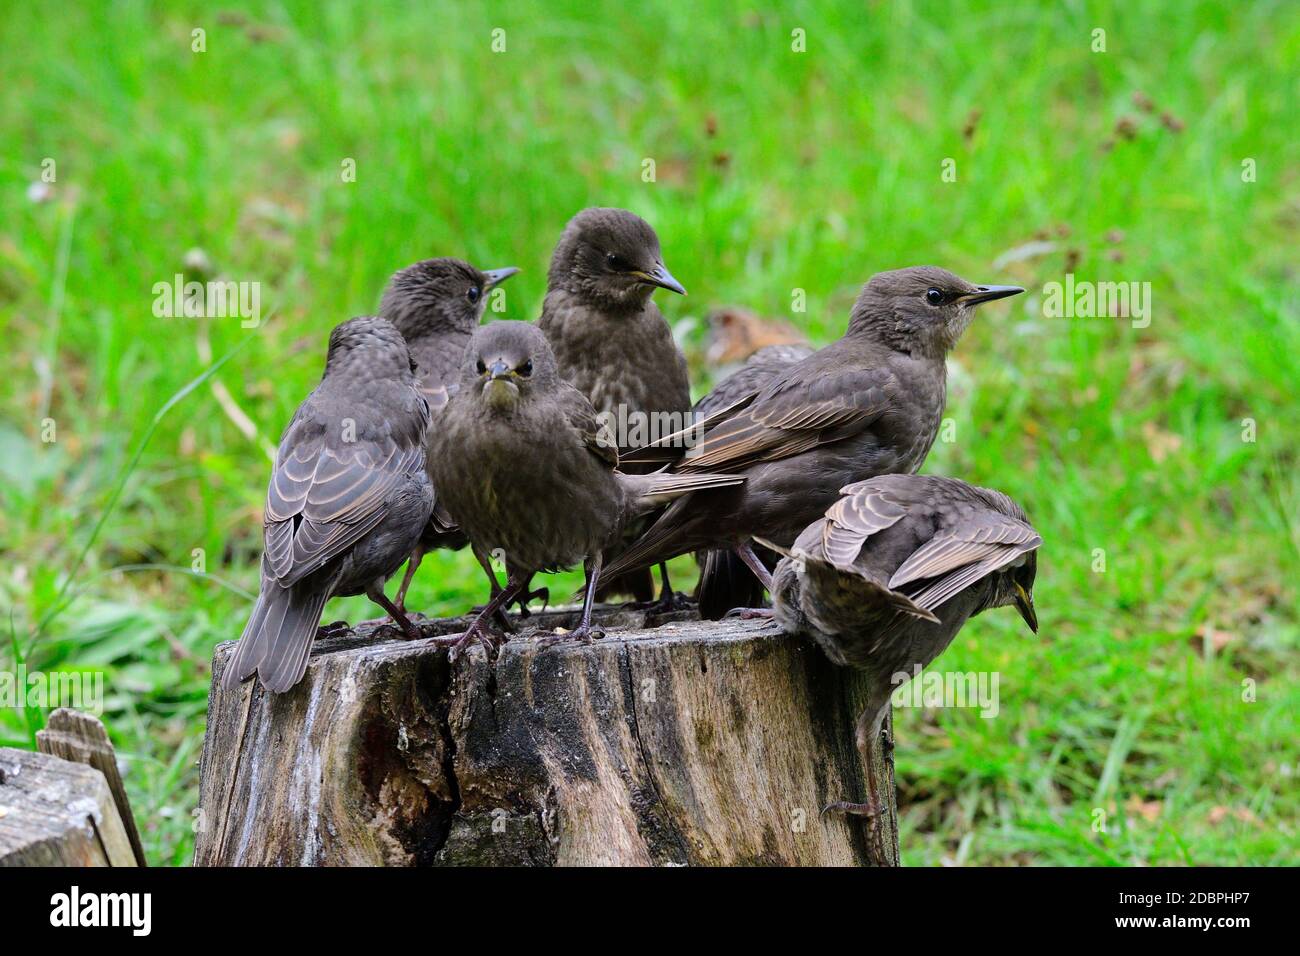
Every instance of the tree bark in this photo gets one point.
(668, 742)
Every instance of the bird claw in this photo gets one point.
(476, 632)
(585, 633)
(522, 601)
(750, 614)
(667, 604)
(868, 810)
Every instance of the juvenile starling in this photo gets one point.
(868, 404)
(524, 467)
(346, 502)
(886, 579)
(610, 339)
(725, 581)
(436, 304)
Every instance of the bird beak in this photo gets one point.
(987, 293)
(1025, 605)
(497, 276)
(662, 278)
(499, 369)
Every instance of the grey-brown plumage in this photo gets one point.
(868, 404)
(725, 581)
(524, 467)
(610, 339)
(437, 304)
(885, 580)
(347, 499)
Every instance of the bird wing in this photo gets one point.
(956, 559)
(792, 417)
(324, 497)
(596, 438)
(863, 509)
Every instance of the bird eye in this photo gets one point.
(618, 263)
(473, 293)
(934, 297)
(482, 366)
(526, 369)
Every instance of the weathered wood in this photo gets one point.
(80, 737)
(669, 741)
(55, 812)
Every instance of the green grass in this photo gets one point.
(775, 171)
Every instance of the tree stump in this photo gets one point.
(669, 741)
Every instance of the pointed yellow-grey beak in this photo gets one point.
(661, 277)
(1025, 605)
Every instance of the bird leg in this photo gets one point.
(376, 594)
(478, 629)
(495, 588)
(746, 553)
(668, 601)
(866, 734)
(412, 563)
(584, 631)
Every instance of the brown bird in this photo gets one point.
(610, 339)
(437, 304)
(868, 404)
(725, 581)
(527, 471)
(348, 497)
(885, 580)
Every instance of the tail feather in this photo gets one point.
(725, 583)
(655, 490)
(277, 640)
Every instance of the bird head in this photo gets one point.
(506, 362)
(921, 310)
(1015, 588)
(371, 345)
(439, 295)
(611, 257)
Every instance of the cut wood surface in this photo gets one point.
(55, 812)
(80, 737)
(670, 741)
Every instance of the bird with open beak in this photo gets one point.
(437, 304)
(888, 576)
(610, 339)
(868, 404)
(525, 469)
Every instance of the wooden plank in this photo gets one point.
(81, 738)
(55, 812)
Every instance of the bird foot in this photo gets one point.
(543, 593)
(408, 629)
(476, 632)
(585, 633)
(669, 603)
(750, 613)
(868, 810)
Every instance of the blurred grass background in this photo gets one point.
(775, 171)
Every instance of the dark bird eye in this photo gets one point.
(473, 293)
(618, 263)
(934, 297)
(482, 367)
(526, 369)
